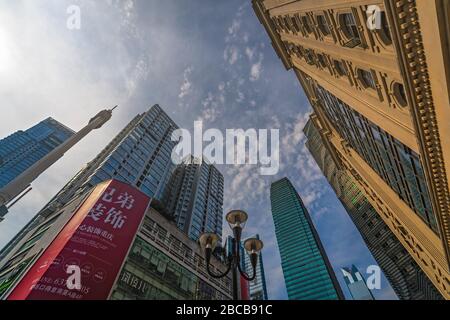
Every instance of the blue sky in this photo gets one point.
(199, 60)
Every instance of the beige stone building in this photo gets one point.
(377, 75)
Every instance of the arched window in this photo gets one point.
(323, 25)
(366, 79)
(340, 68)
(400, 94)
(348, 25)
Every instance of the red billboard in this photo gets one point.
(95, 241)
(245, 289)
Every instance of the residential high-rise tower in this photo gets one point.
(194, 196)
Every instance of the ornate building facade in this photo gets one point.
(377, 75)
(406, 278)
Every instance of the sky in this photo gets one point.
(208, 60)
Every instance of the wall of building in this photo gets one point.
(393, 78)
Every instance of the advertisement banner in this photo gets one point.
(83, 261)
(245, 289)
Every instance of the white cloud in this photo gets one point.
(186, 86)
(234, 28)
(231, 54)
(250, 53)
(255, 71)
(212, 105)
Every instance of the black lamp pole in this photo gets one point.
(253, 246)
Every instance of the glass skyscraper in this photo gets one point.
(194, 196)
(258, 287)
(139, 155)
(307, 272)
(22, 149)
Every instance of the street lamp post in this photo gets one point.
(208, 241)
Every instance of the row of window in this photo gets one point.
(395, 163)
(365, 77)
(322, 23)
(148, 269)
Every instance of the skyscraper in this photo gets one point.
(405, 276)
(258, 287)
(307, 272)
(22, 149)
(356, 284)
(194, 196)
(376, 75)
(139, 155)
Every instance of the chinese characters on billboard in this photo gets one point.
(95, 241)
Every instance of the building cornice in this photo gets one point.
(408, 41)
(277, 44)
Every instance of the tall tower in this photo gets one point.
(376, 75)
(139, 155)
(356, 284)
(307, 271)
(258, 287)
(405, 276)
(194, 196)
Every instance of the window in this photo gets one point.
(348, 25)
(400, 94)
(321, 60)
(306, 24)
(295, 24)
(309, 56)
(340, 68)
(290, 47)
(385, 32)
(299, 51)
(277, 24)
(366, 79)
(287, 24)
(323, 25)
